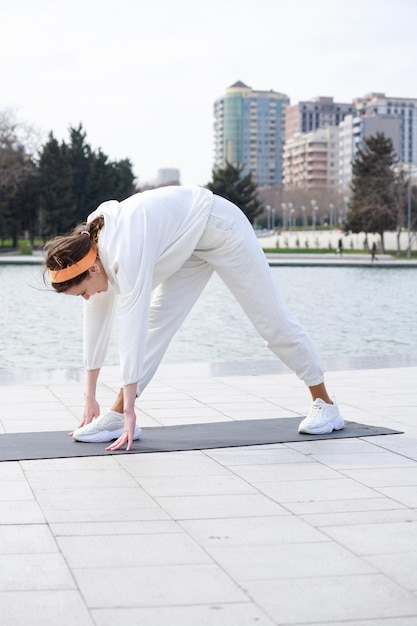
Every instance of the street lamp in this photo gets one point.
(315, 208)
(284, 215)
(291, 218)
(268, 217)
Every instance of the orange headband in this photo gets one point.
(61, 276)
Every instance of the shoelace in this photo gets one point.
(315, 410)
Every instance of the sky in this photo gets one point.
(142, 76)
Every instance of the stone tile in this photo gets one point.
(205, 507)
(188, 463)
(31, 572)
(256, 474)
(70, 464)
(21, 512)
(386, 476)
(333, 599)
(43, 608)
(335, 446)
(132, 527)
(157, 586)
(90, 499)
(131, 550)
(123, 513)
(288, 560)
(195, 485)
(26, 539)
(15, 490)
(251, 531)
(406, 495)
(183, 414)
(364, 460)
(330, 489)
(251, 410)
(401, 568)
(395, 537)
(352, 518)
(343, 506)
(11, 471)
(204, 615)
(395, 621)
(257, 455)
(80, 479)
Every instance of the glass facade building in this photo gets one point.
(249, 128)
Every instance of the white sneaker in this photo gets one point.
(323, 418)
(106, 427)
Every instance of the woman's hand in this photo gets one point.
(91, 410)
(127, 436)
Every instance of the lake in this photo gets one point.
(350, 312)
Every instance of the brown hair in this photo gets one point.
(65, 250)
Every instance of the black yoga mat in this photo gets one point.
(57, 444)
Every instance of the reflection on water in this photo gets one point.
(350, 312)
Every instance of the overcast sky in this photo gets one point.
(142, 77)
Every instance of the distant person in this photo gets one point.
(153, 254)
(340, 246)
(373, 252)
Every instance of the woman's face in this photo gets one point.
(95, 282)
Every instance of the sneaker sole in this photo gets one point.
(105, 436)
(338, 424)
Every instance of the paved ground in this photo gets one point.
(318, 533)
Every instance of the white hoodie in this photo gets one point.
(145, 239)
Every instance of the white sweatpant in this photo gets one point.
(229, 246)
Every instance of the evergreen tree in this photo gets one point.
(57, 209)
(80, 157)
(74, 180)
(241, 190)
(376, 204)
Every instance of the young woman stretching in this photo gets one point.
(152, 255)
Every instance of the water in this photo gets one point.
(349, 312)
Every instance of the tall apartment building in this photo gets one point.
(310, 115)
(405, 109)
(353, 132)
(249, 128)
(311, 160)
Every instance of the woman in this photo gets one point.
(153, 254)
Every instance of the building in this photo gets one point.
(405, 109)
(167, 176)
(353, 132)
(249, 128)
(311, 160)
(310, 115)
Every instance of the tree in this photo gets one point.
(74, 179)
(377, 198)
(17, 174)
(57, 209)
(241, 190)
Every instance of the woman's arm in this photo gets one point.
(91, 407)
(129, 397)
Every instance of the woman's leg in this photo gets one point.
(171, 303)
(230, 245)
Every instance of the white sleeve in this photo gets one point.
(133, 316)
(98, 322)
